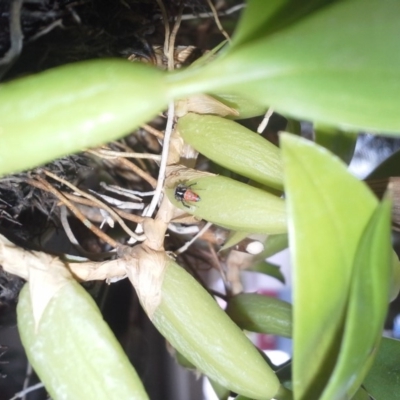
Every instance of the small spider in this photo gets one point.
(184, 193)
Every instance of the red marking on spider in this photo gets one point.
(184, 193)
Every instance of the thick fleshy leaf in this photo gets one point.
(274, 244)
(262, 18)
(258, 313)
(234, 147)
(233, 239)
(338, 142)
(74, 351)
(255, 17)
(198, 328)
(245, 107)
(383, 380)
(269, 269)
(229, 203)
(72, 107)
(221, 392)
(331, 67)
(328, 210)
(368, 303)
(361, 394)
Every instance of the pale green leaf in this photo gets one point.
(233, 239)
(197, 327)
(258, 313)
(221, 392)
(231, 204)
(234, 147)
(73, 350)
(262, 18)
(69, 108)
(368, 303)
(332, 66)
(328, 210)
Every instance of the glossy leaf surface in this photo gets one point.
(262, 18)
(383, 380)
(274, 244)
(258, 313)
(361, 394)
(234, 147)
(74, 351)
(328, 210)
(368, 303)
(233, 205)
(69, 108)
(197, 327)
(311, 69)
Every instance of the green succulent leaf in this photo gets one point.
(198, 328)
(258, 313)
(367, 307)
(337, 141)
(274, 244)
(233, 239)
(267, 268)
(233, 205)
(221, 392)
(361, 394)
(329, 67)
(245, 107)
(233, 146)
(69, 108)
(261, 18)
(73, 351)
(328, 210)
(382, 381)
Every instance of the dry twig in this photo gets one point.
(194, 238)
(166, 24)
(16, 36)
(227, 12)
(155, 132)
(99, 203)
(110, 154)
(98, 232)
(120, 161)
(217, 21)
(172, 37)
(264, 122)
(87, 202)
